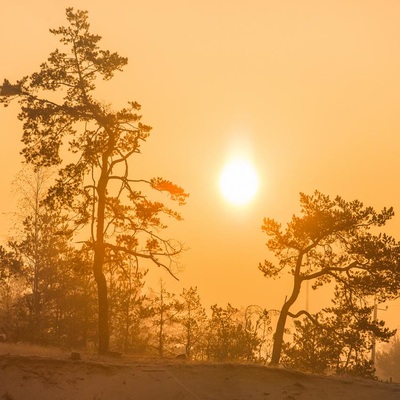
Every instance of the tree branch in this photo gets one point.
(329, 270)
(137, 254)
(306, 313)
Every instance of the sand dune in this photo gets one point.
(24, 377)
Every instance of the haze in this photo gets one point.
(309, 89)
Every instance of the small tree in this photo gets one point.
(76, 303)
(331, 241)
(193, 318)
(11, 286)
(339, 339)
(10, 264)
(41, 239)
(227, 337)
(258, 326)
(165, 308)
(388, 361)
(312, 349)
(126, 282)
(34, 227)
(60, 112)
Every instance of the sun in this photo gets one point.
(239, 182)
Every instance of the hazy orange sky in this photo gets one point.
(308, 90)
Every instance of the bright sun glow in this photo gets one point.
(239, 182)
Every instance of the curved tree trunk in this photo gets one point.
(278, 336)
(280, 326)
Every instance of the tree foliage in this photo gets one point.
(125, 280)
(258, 325)
(388, 361)
(164, 309)
(332, 241)
(338, 339)
(60, 111)
(192, 316)
(227, 336)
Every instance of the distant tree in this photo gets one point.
(192, 316)
(11, 286)
(75, 299)
(55, 277)
(10, 264)
(47, 293)
(338, 339)
(34, 240)
(41, 240)
(258, 326)
(126, 281)
(331, 242)
(227, 337)
(312, 349)
(388, 361)
(165, 308)
(60, 112)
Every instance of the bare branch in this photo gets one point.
(137, 254)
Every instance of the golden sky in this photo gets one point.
(309, 90)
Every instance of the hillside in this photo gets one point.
(56, 377)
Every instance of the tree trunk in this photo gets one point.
(280, 326)
(99, 254)
(104, 337)
(278, 336)
(161, 338)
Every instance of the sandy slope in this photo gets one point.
(49, 378)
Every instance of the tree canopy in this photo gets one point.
(60, 111)
(333, 240)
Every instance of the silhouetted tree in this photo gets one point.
(338, 339)
(227, 337)
(35, 241)
(10, 264)
(76, 303)
(127, 300)
(332, 241)
(164, 308)
(312, 348)
(193, 318)
(258, 325)
(41, 240)
(60, 112)
(11, 286)
(388, 361)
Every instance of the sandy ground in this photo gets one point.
(56, 377)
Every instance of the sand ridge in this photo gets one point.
(99, 378)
